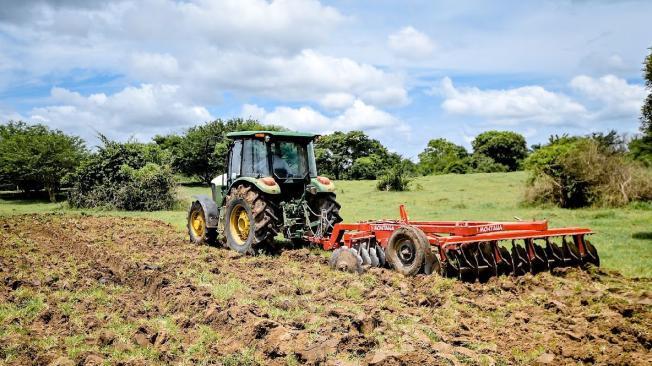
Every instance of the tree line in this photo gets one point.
(569, 171)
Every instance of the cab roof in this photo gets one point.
(280, 134)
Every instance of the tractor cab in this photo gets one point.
(274, 161)
(284, 156)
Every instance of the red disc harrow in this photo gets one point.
(468, 250)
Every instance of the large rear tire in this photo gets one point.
(197, 230)
(326, 210)
(250, 219)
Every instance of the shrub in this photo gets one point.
(484, 164)
(395, 179)
(125, 176)
(577, 172)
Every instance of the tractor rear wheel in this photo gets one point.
(250, 219)
(408, 249)
(326, 210)
(197, 229)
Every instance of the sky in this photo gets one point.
(404, 72)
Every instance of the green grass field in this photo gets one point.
(623, 236)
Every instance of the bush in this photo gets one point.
(484, 164)
(395, 179)
(124, 176)
(577, 172)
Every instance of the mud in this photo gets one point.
(79, 290)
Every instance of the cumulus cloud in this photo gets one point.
(528, 103)
(210, 47)
(336, 101)
(617, 97)
(306, 76)
(139, 111)
(358, 116)
(409, 43)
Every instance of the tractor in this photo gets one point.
(271, 186)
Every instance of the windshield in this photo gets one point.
(289, 159)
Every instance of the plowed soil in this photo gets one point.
(100, 290)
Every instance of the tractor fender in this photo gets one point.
(321, 187)
(211, 211)
(258, 183)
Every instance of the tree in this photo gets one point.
(504, 147)
(201, 151)
(339, 155)
(646, 110)
(128, 176)
(641, 147)
(366, 167)
(442, 156)
(33, 157)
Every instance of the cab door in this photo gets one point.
(235, 163)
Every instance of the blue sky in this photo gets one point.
(402, 71)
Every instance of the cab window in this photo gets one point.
(289, 159)
(254, 159)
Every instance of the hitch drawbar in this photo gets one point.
(468, 250)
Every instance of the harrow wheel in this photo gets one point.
(407, 250)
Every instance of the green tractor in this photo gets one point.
(271, 186)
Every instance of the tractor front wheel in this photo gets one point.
(198, 231)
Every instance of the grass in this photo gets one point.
(623, 236)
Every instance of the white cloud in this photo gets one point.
(358, 116)
(523, 104)
(617, 97)
(409, 43)
(253, 47)
(139, 111)
(336, 101)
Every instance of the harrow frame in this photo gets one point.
(454, 242)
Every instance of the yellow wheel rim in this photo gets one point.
(239, 224)
(197, 223)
